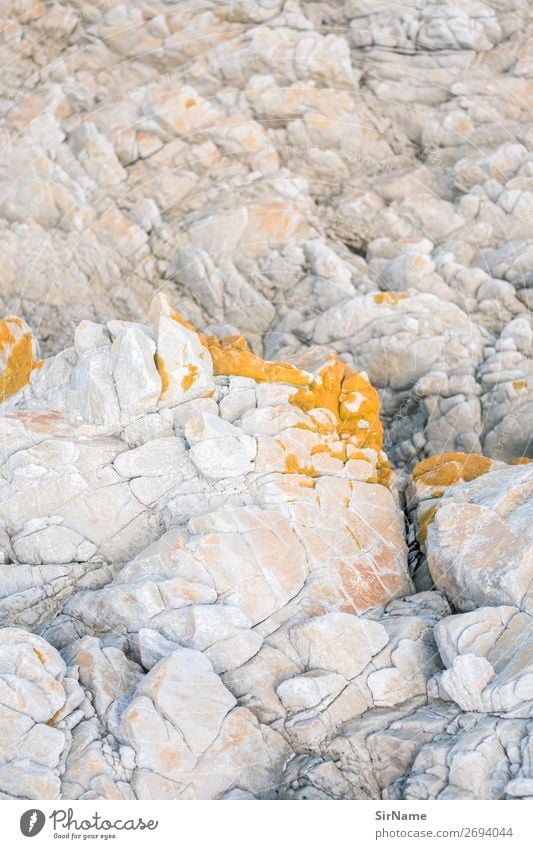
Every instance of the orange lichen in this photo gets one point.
(350, 397)
(357, 455)
(16, 351)
(384, 472)
(391, 298)
(425, 522)
(520, 461)
(232, 357)
(163, 373)
(175, 316)
(292, 467)
(347, 394)
(190, 102)
(447, 469)
(324, 428)
(188, 380)
(6, 333)
(519, 384)
(40, 655)
(338, 452)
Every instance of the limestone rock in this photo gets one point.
(488, 655)
(477, 541)
(156, 544)
(349, 185)
(38, 703)
(271, 178)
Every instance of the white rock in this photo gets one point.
(218, 449)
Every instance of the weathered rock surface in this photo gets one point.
(208, 588)
(350, 173)
(199, 544)
(474, 517)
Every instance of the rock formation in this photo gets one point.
(344, 173)
(206, 590)
(293, 563)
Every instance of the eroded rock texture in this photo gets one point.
(345, 173)
(206, 590)
(208, 585)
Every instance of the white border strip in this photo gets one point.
(272, 825)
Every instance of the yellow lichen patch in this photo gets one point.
(350, 397)
(163, 373)
(18, 368)
(357, 455)
(40, 655)
(346, 394)
(391, 298)
(292, 467)
(323, 428)
(324, 391)
(447, 469)
(188, 380)
(519, 384)
(384, 472)
(190, 103)
(6, 331)
(520, 461)
(337, 451)
(359, 416)
(175, 316)
(232, 357)
(319, 449)
(16, 356)
(425, 522)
